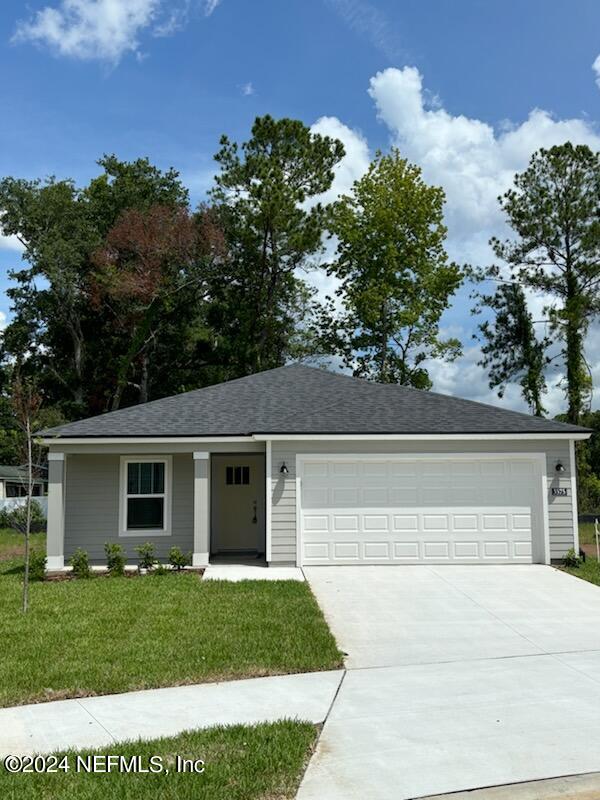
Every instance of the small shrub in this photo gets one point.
(37, 522)
(5, 518)
(80, 563)
(16, 518)
(161, 569)
(37, 565)
(571, 559)
(178, 559)
(115, 558)
(146, 553)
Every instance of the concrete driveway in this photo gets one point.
(458, 678)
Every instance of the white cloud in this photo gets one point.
(466, 156)
(105, 30)
(3, 322)
(474, 163)
(176, 19)
(356, 159)
(353, 165)
(209, 6)
(247, 89)
(370, 22)
(11, 243)
(596, 68)
(90, 29)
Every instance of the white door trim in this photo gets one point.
(539, 459)
(573, 470)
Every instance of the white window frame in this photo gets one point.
(166, 530)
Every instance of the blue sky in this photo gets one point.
(467, 89)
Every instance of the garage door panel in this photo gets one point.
(375, 496)
(471, 514)
(403, 495)
(377, 550)
(405, 522)
(466, 550)
(436, 550)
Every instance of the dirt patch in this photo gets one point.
(589, 550)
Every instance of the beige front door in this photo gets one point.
(238, 503)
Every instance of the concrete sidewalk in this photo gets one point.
(100, 721)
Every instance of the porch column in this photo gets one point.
(201, 509)
(56, 512)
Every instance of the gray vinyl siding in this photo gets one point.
(283, 513)
(92, 507)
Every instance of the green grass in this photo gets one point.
(241, 763)
(590, 571)
(12, 544)
(106, 635)
(586, 533)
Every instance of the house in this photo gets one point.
(302, 466)
(13, 483)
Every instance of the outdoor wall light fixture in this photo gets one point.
(559, 466)
(283, 469)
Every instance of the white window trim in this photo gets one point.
(168, 494)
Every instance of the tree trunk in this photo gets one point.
(28, 516)
(143, 393)
(383, 345)
(574, 349)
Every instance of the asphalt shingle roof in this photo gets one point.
(302, 400)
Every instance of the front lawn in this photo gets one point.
(241, 763)
(106, 635)
(12, 544)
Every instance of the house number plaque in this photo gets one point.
(559, 492)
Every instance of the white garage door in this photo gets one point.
(426, 510)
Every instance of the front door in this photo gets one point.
(238, 503)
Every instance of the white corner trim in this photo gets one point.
(201, 455)
(268, 500)
(573, 470)
(56, 456)
(54, 563)
(298, 514)
(200, 560)
(168, 496)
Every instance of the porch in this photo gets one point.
(213, 503)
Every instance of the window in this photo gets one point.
(237, 476)
(145, 507)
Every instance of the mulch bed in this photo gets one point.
(57, 577)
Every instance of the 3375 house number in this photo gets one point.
(559, 492)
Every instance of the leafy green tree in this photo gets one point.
(73, 346)
(511, 350)
(553, 212)
(588, 465)
(267, 200)
(395, 279)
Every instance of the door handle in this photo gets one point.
(254, 518)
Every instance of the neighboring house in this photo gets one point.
(14, 482)
(13, 488)
(305, 467)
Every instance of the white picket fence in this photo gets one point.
(14, 502)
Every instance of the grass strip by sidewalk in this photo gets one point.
(241, 763)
